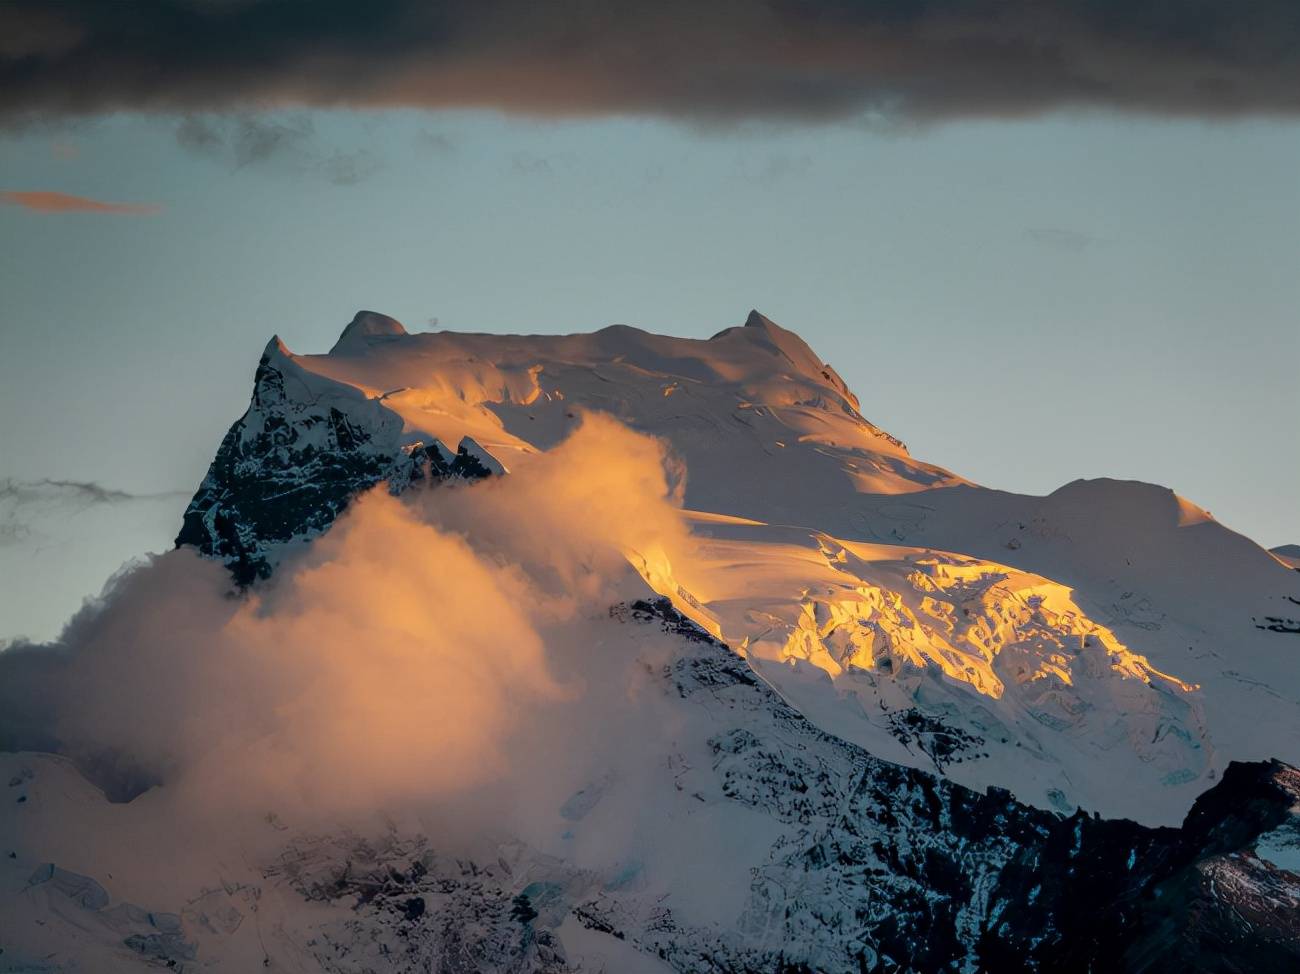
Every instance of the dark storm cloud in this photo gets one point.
(721, 60)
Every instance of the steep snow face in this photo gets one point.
(744, 839)
(1109, 646)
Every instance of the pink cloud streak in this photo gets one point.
(47, 201)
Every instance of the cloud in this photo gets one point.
(80, 492)
(28, 508)
(436, 143)
(13, 533)
(527, 164)
(724, 60)
(423, 649)
(46, 201)
(246, 139)
(773, 168)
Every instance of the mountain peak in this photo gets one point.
(764, 332)
(276, 348)
(366, 325)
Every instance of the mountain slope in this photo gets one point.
(747, 841)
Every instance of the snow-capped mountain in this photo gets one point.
(836, 710)
(1057, 646)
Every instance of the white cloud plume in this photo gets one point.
(412, 654)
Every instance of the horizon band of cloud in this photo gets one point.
(729, 60)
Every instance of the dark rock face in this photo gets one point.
(1224, 903)
(290, 465)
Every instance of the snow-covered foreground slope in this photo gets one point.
(1109, 646)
